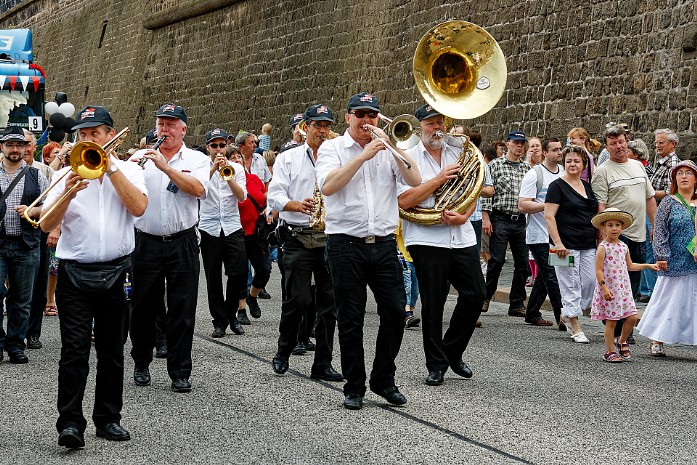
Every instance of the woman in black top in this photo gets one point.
(569, 206)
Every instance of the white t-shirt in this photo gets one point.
(536, 231)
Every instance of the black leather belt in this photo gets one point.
(295, 229)
(508, 216)
(372, 239)
(168, 237)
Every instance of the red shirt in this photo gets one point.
(249, 212)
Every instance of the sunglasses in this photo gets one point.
(362, 113)
(222, 145)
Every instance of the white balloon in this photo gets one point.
(51, 108)
(67, 108)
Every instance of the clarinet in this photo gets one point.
(157, 144)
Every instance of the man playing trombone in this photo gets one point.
(94, 278)
(291, 193)
(443, 254)
(358, 178)
(222, 237)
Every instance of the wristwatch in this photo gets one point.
(112, 170)
(602, 283)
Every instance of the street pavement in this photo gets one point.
(536, 397)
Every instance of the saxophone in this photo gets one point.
(319, 213)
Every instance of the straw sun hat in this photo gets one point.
(612, 214)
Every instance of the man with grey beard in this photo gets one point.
(444, 254)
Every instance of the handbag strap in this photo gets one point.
(260, 209)
(677, 194)
(14, 182)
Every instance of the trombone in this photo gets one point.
(403, 130)
(389, 147)
(89, 160)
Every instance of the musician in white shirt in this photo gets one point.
(358, 177)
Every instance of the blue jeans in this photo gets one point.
(411, 284)
(648, 277)
(18, 265)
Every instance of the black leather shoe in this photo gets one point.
(236, 328)
(280, 365)
(181, 385)
(113, 432)
(71, 438)
(264, 295)
(310, 346)
(435, 378)
(33, 342)
(243, 318)
(254, 308)
(17, 356)
(326, 374)
(141, 376)
(218, 332)
(461, 368)
(353, 401)
(161, 351)
(299, 349)
(391, 395)
(519, 312)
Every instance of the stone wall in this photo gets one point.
(238, 64)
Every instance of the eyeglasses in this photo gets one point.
(10, 145)
(362, 113)
(326, 126)
(687, 173)
(222, 145)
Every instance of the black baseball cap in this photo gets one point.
(14, 134)
(362, 101)
(517, 135)
(288, 145)
(150, 136)
(318, 113)
(170, 110)
(216, 133)
(426, 112)
(93, 116)
(295, 119)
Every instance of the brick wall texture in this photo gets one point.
(238, 64)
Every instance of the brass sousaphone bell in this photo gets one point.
(460, 71)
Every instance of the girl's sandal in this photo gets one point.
(623, 349)
(612, 357)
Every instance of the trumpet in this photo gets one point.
(226, 172)
(89, 160)
(155, 146)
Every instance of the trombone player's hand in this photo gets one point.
(72, 180)
(377, 144)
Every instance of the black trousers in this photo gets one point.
(257, 250)
(301, 265)
(227, 251)
(38, 298)
(508, 231)
(353, 265)
(177, 263)
(436, 269)
(546, 283)
(79, 307)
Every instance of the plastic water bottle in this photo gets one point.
(127, 288)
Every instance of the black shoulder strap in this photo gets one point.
(13, 184)
(260, 209)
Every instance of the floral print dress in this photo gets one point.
(617, 281)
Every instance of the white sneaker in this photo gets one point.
(580, 338)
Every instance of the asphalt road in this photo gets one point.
(536, 397)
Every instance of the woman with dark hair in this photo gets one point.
(569, 206)
(670, 316)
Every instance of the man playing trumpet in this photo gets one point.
(443, 254)
(222, 237)
(291, 193)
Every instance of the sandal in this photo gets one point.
(51, 310)
(612, 357)
(657, 349)
(623, 349)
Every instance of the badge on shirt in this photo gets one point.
(172, 187)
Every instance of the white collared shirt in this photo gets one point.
(260, 168)
(97, 227)
(169, 212)
(293, 179)
(219, 209)
(367, 205)
(437, 235)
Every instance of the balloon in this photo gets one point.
(61, 97)
(57, 120)
(51, 108)
(67, 108)
(56, 134)
(68, 126)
